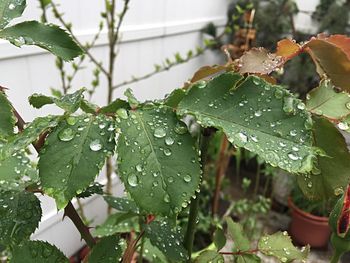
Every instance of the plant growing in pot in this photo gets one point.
(309, 224)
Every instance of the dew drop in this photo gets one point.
(187, 178)
(139, 168)
(301, 106)
(122, 113)
(155, 174)
(166, 198)
(71, 120)
(243, 137)
(293, 156)
(258, 113)
(132, 180)
(167, 152)
(343, 126)
(169, 141)
(171, 179)
(309, 184)
(293, 133)
(159, 132)
(12, 6)
(95, 145)
(180, 128)
(347, 105)
(66, 135)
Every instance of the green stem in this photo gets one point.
(336, 257)
(192, 217)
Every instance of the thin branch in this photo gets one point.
(69, 29)
(156, 71)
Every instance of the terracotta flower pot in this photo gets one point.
(306, 228)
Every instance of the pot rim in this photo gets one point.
(306, 214)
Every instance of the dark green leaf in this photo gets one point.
(88, 107)
(174, 98)
(210, 256)
(7, 119)
(279, 245)
(263, 118)
(69, 103)
(93, 189)
(39, 100)
(235, 231)
(219, 238)
(37, 252)
(325, 101)
(152, 253)
(73, 155)
(118, 223)
(114, 106)
(20, 213)
(10, 9)
(107, 250)
(122, 204)
(49, 37)
(157, 160)
(332, 174)
(167, 240)
(16, 171)
(27, 136)
(248, 258)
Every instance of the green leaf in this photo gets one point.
(235, 231)
(37, 252)
(7, 119)
(73, 155)
(39, 100)
(157, 160)
(332, 173)
(248, 258)
(279, 245)
(167, 240)
(174, 98)
(88, 107)
(133, 102)
(152, 253)
(10, 9)
(93, 189)
(69, 103)
(219, 238)
(122, 204)
(325, 101)
(263, 118)
(107, 250)
(118, 223)
(16, 171)
(27, 136)
(46, 36)
(209, 256)
(114, 106)
(20, 213)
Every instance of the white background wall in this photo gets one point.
(153, 30)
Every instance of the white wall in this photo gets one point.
(153, 30)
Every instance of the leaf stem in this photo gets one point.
(192, 217)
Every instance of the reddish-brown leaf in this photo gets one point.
(287, 49)
(207, 71)
(331, 56)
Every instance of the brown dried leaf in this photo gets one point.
(260, 61)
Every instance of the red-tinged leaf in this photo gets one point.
(206, 71)
(331, 60)
(260, 61)
(267, 78)
(287, 49)
(343, 224)
(340, 41)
